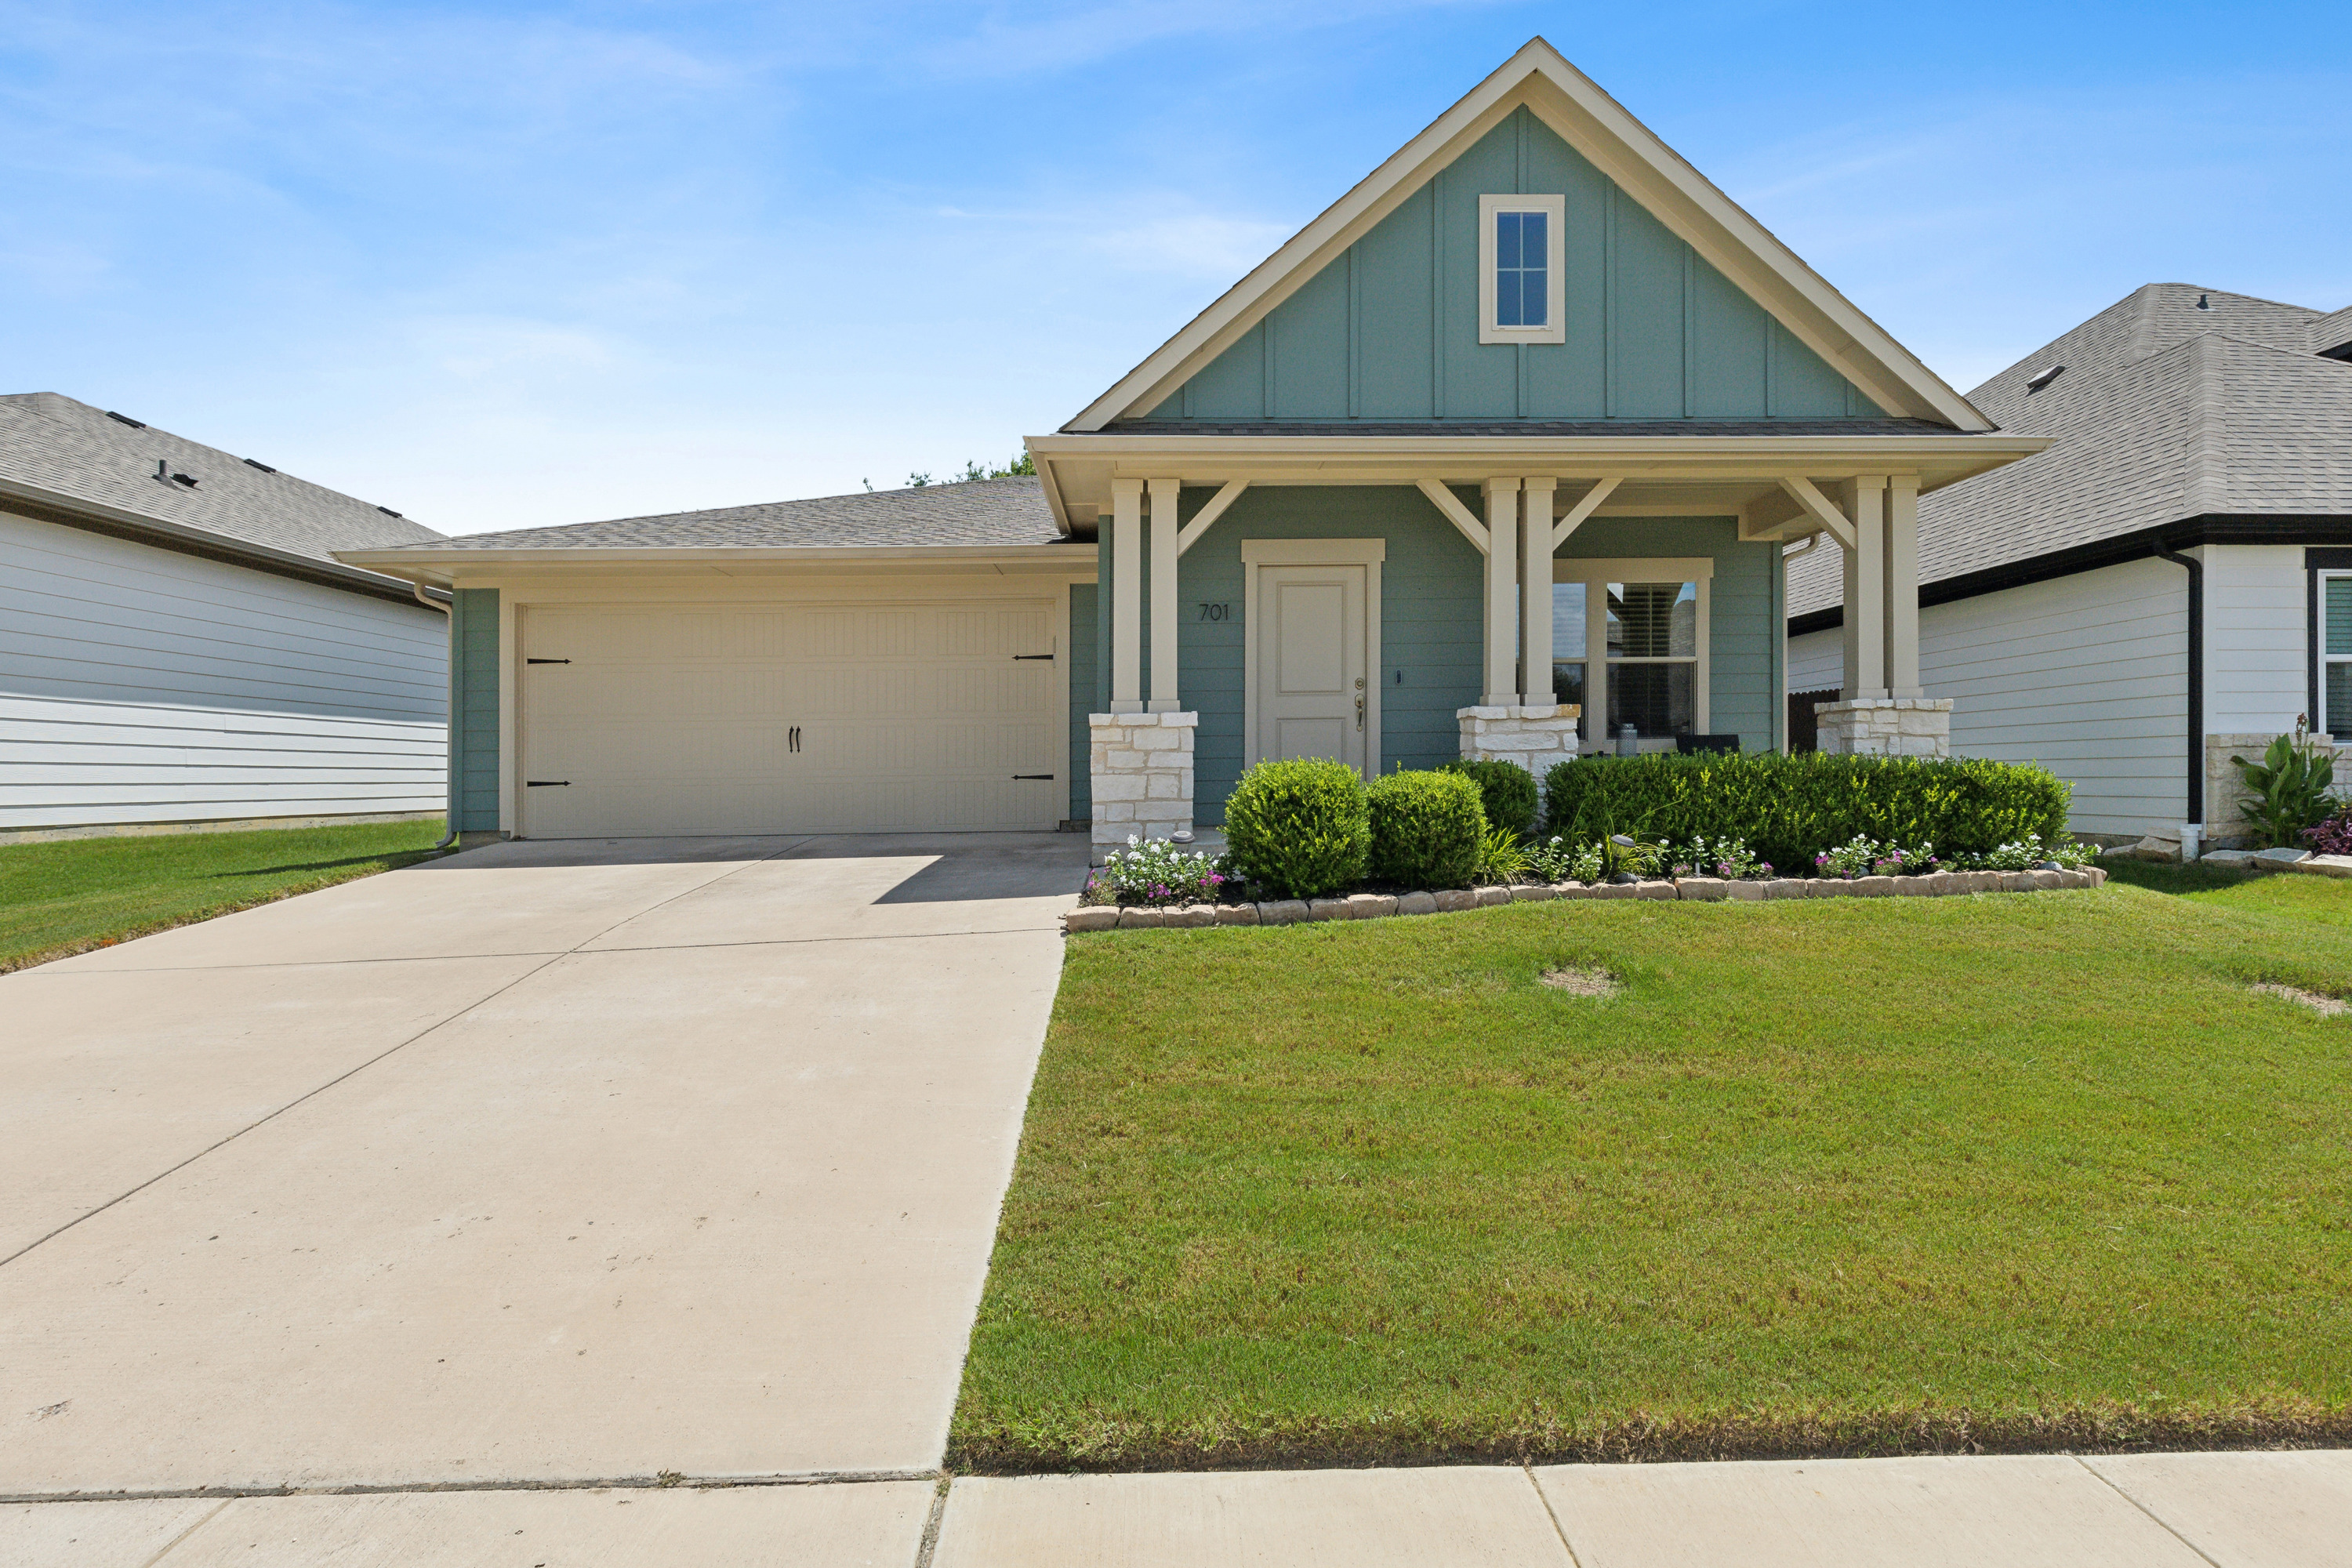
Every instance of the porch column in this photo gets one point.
(1902, 566)
(1163, 597)
(1865, 589)
(1127, 596)
(1502, 615)
(1534, 595)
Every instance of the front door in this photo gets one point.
(1312, 664)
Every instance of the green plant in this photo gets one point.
(1502, 858)
(1623, 853)
(2290, 786)
(1790, 809)
(1726, 858)
(1428, 829)
(1505, 790)
(1557, 860)
(1154, 871)
(1299, 829)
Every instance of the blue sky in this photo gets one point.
(499, 265)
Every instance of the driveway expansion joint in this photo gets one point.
(660, 1482)
(2153, 1517)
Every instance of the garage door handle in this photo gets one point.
(1018, 657)
(547, 661)
(546, 784)
(1033, 776)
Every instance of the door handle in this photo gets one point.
(1359, 714)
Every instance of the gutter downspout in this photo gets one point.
(2196, 570)
(450, 810)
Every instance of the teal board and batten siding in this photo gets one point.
(1389, 329)
(474, 719)
(1431, 620)
(1086, 637)
(1744, 612)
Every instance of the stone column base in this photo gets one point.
(1142, 770)
(1535, 737)
(1885, 727)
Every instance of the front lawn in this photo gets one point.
(79, 893)
(2012, 1170)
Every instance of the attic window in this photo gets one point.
(1521, 291)
(2042, 378)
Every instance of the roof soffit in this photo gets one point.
(1625, 151)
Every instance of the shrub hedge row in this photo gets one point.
(1506, 791)
(1299, 829)
(1792, 808)
(1427, 828)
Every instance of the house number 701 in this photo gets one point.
(1215, 612)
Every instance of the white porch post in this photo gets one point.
(1902, 566)
(1865, 590)
(1596, 665)
(1502, 615)
(1127, 596)
(1163, 597)
(1534, 595)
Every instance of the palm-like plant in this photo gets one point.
(2290, 786)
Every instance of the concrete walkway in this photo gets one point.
(2159, 1511)
(545, 1163)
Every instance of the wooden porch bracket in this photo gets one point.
(1460, 516)
(1586, 505)
(1191, 532)
(1821, 509)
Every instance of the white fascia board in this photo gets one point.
(438, 567)
(1629, 152)
(337, 571)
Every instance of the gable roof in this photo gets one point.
(2163, 411)
(972, 513)
(1628, 152)
(65, 458)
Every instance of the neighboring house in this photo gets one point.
(2168, 584)
(1518, 427)
(178, 645)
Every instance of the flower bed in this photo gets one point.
(1706, 890)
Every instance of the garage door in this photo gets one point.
(825, 717)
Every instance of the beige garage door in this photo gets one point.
(828, 718)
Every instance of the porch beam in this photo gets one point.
(1586, 505)
(1455, 513)
(1164, 492)
(1502, 584)
(1820, 508)
(1191, 532)
(1126, 595)
(1535, 593)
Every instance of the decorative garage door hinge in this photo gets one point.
(546, 784)
(1018, 657)
(793, 741)
(1032, 775)
(547, 661)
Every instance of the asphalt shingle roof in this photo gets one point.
(975, 512)
(49, 440)
(1876, 426)
(2164, 411)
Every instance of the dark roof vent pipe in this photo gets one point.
(2203, 303)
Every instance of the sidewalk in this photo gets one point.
(2287, 1509)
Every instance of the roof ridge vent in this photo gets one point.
(2042, 378)
(389, 513)
(255, 463)
(126, 419)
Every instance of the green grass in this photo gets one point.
(2002, 1172)
(79, 893)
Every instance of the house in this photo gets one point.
(180, 647)
(2168, 584)
(1499, 456)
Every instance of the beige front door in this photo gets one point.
(1312, 664)
(792, 717)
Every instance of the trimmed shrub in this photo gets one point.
(1792, 808)
(1299, 829)
(1426, 830)
(1505, 790)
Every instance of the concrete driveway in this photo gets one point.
(566, 1162)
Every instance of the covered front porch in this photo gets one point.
(1391, 600)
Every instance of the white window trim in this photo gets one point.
(2319, 650)
(1555, 327)
(1596, 575)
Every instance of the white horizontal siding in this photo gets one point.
(2256, 646)
(2087, 675)
(1817, 661)
(140, 685)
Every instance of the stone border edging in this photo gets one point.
(1707, 890)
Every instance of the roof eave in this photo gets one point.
(438, 567)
